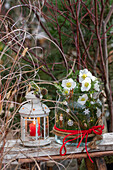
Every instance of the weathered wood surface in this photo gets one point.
(67, 156)
(100, 162)
(15, 151)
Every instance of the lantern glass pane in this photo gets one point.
(42, 126)
(34, 128)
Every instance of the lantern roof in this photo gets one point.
(33, 106)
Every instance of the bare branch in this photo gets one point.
(109, 15)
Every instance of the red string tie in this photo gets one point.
(81, 134)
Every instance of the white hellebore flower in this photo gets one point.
(83, 74)
(82, 99)
(98, 112)
(96, 86)
(86, 111)
(66, 91)
(93, 78)
(68, 84)
(86, 84)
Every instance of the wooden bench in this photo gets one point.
(15, 153)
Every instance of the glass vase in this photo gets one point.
(72, 115)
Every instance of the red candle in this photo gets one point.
(32, 128)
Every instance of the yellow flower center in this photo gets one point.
(82, 99)
(86, 84)
(84, 76)
(68, 84)
(66, 91)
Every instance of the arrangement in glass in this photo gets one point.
(78, 104)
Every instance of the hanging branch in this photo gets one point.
(108, 89)
(100, 27)
(85, 47)
(105, 70)
(77, 37)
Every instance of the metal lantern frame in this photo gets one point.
(34, 122)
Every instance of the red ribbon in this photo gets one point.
(82, 133)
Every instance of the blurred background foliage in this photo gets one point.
(61, 25)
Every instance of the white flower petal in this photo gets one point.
(66, 91)
(82, 99)
(68, 84)
(86, 84)
(93, 78)
(92, 102)
(96, 86)
(83, 74)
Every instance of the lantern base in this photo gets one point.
(41, 142)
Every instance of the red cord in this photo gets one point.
(82, 133)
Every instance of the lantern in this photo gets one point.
(34, 122)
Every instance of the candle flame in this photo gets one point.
(38, 119)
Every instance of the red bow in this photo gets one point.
(96, 129)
